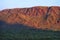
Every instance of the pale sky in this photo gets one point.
(4, 4)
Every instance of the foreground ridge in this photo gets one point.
(38, 17)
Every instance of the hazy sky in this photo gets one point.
(27, 3)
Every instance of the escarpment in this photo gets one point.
(38, 17)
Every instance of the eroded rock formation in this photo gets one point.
(38, 17)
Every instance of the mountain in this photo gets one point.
(38, 17)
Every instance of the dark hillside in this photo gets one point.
(22, 32)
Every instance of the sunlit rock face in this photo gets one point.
(38, 17)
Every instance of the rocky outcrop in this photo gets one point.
(39, 17)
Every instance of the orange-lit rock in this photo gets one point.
(38, 17)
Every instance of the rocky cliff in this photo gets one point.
(38, 17)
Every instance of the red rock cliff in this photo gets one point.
(38, 17)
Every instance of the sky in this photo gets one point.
(6, 4)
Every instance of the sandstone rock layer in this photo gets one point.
(38, 17)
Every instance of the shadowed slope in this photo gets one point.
(37, 17)
(22, 32)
